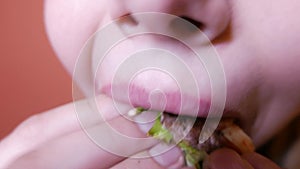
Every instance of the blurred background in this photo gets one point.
(32, 78)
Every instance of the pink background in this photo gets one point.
(32, 79)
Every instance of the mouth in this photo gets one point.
(171, 101)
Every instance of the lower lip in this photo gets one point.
(172, 102)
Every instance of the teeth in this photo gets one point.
(135, 111)
(239, 138)
(132, 112)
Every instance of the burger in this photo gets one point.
(184, 132)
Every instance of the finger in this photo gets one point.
(36, 130)
(161, 156)
(76, 150)
(225, 159)
(53, 124)
(259, 162)
(132, 163)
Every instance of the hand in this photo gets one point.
(55, 139)
(229, 159)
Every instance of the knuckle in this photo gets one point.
(31, 129)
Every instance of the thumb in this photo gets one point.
(225, 159)
(259, 162)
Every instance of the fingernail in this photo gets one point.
(167, 156)
(145, 120)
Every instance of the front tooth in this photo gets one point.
(239, 138)
(132, 112)
(135, 111)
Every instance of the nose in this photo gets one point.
(210, 16)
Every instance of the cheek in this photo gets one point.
(279, 44)
(281, 59)
(69, 24)
(274, 33)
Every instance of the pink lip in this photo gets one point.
(173, 102)
(191, 106)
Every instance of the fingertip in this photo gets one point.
(259, 162)
(167, 156)
(225, 159)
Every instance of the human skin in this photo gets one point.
(257, 43)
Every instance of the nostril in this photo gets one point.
(186, 26)
(128, 19)
(198, 24)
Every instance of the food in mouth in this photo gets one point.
(184, 131)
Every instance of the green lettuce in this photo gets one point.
(159, 131)
(193, 156)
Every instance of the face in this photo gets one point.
(257, 43)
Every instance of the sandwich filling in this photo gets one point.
(184, 131)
